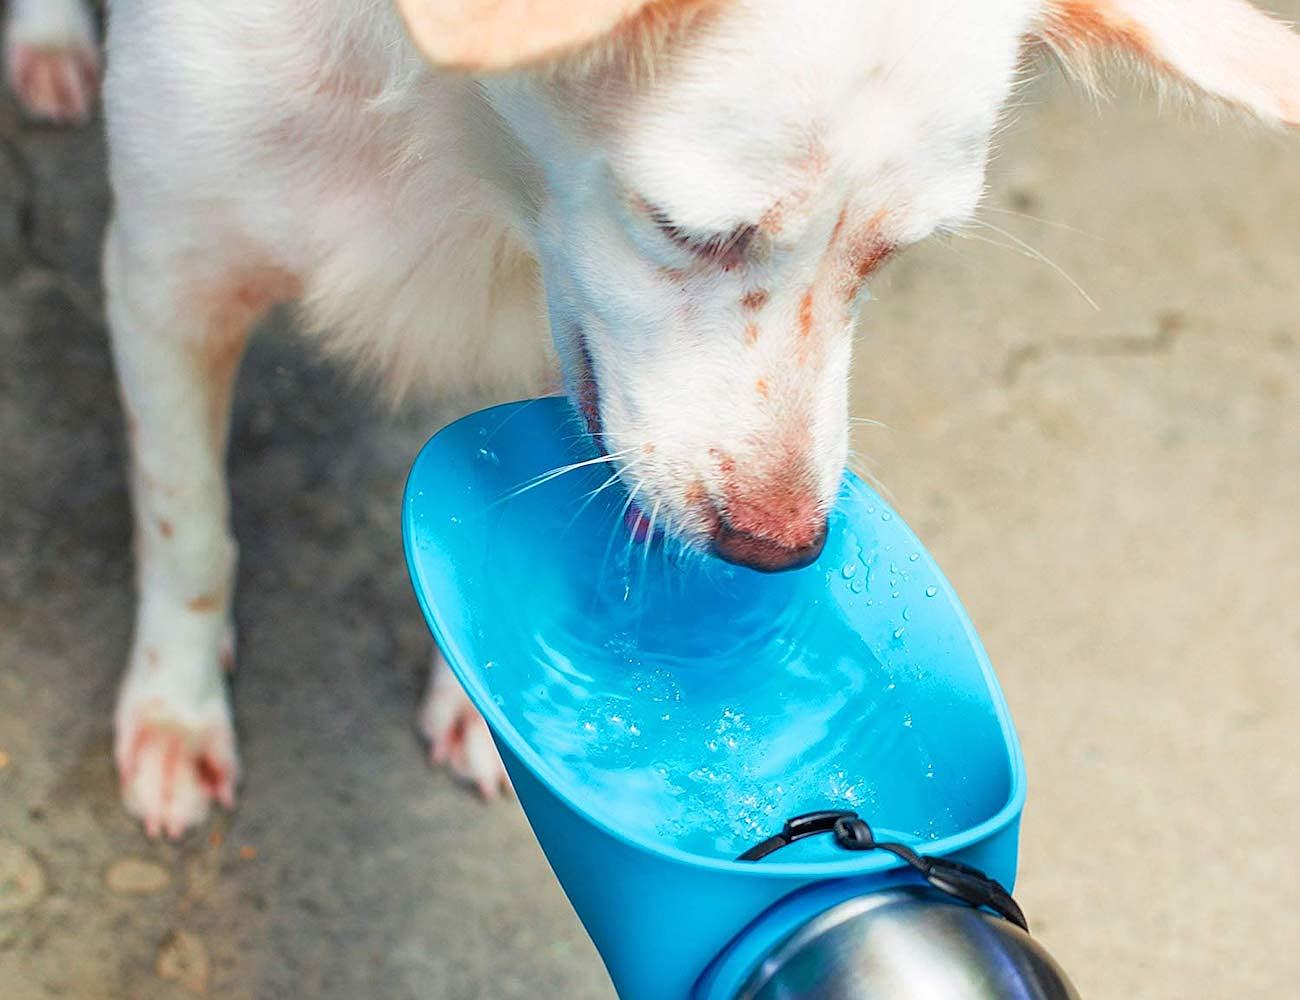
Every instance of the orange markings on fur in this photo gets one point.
(770, 221)
(806, 315)
(868, 248)
(755, 300)
(649, 449)
(839, 227)
(1074, 22)
(204, 602)
(234, 306)
(761, 387)
(165, 528)
(751, 334)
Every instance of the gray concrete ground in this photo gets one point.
(1114, 492)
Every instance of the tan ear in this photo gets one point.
(1225, 48)
(500, 34)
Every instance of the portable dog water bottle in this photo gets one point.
(662, 714)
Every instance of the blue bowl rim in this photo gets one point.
(860, 864)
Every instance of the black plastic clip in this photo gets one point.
(807, 825)
(852, 833)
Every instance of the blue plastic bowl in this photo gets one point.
(660, 711)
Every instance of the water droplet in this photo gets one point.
(858, 586)
(489, 664)
(931, 591)
(886, 516)
(894, 594)
(848, 570)
(589, 727)
(898, 632)
(907, 614)
(634, 730)
(455, 519)
(665, 717)
(914, 557)
(907, 720)
(482, 432)
(893, 568)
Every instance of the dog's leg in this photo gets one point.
(177, 342)
(52, 58)
(458, 737)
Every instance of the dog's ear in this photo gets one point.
(488, 35)
(1226, 48)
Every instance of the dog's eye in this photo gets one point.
(727, 250)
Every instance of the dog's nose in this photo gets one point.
(765, 553)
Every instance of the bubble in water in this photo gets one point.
(848, 570)
(931, 591)
(898, 632)
(907, 614)
(858, 586)
(488, 455)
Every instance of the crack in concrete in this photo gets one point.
(1168, 329)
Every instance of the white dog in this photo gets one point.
(686, 195)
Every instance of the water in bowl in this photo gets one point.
(697, 704)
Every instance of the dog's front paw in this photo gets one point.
(458, 737)
(52, 59)
(54, 84)
(172, 771)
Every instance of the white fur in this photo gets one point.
(436, 228)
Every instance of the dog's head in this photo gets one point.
(711, 183)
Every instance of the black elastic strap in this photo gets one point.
(852, 833)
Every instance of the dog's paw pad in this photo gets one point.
(171, 774)
(459, 739)
(53, 83)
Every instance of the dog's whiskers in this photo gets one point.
(860, 465)
(1025, 250)
(546, 477)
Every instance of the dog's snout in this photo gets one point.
(771, 533)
